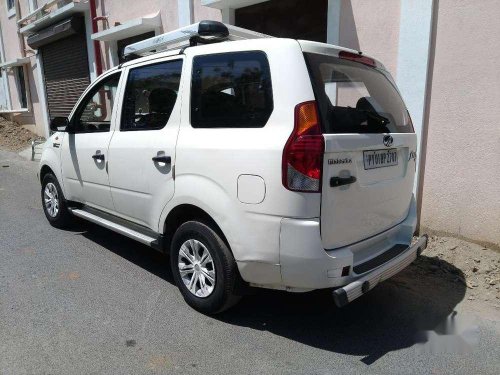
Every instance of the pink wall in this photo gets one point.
(117, 12)
(168, 10)
(205, 13)
(462, 183)
(372, 27)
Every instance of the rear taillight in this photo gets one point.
(303, 153)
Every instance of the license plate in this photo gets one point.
(380, 158)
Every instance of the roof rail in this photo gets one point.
(203, 32)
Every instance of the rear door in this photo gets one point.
(370, 148)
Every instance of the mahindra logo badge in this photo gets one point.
(388, 140)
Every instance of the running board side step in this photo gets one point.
(118, 225)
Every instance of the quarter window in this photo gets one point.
(231, 90)
(150, 96)
(94, 114)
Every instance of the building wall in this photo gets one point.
(205, 13)
(168, 9)
(462, 171)
(34, 119)
(363, 29)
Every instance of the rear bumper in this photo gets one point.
(306, 265)
(363, 284)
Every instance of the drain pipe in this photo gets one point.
(97, 47)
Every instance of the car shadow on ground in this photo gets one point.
(390, 317)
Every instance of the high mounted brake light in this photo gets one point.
(358, 58)
(302, 163)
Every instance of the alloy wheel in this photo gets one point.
(51, 199)
(196, 268)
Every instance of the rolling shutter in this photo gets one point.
(66, 72)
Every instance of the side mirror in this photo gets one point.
(59, 124)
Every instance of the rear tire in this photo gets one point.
(203, 268)
(53, 203)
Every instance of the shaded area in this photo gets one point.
(275, 18)
(389, 318)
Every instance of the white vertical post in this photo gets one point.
(413, 56)
(185, 12)
(5, 78)
(333, 37)
(90, 47)
(42, 95)
(113, 53)
(333, 22)
(228, 15)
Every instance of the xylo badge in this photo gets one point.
(340, 161)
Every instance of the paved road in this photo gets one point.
(90, 301)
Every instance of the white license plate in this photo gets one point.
(380, 158)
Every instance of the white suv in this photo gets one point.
(267, 162)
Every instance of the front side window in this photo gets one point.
(231, 90)
(150, 95)
(94, 113)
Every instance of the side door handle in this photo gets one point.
(162, 159)
(339, 181)
(98, 157)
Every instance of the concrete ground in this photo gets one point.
(87, 300)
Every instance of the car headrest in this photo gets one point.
(364, 104)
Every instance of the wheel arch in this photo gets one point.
(189, 212)
(51, 163)
(44, 170)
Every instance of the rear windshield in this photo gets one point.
(355, 98)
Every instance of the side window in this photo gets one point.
(231, 90)
(94, 113)
(150, 95)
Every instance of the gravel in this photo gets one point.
(14, 137)
(459, 261)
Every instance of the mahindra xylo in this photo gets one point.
(252, 160)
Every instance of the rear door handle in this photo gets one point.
(98, 157)
(162, 159)
(339, 181)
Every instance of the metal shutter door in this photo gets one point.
(66, 71)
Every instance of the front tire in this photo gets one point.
(203, 268)
(53, 202)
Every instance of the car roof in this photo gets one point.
(228, 46)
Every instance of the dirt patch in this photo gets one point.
(14, 137)
(458, 261)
